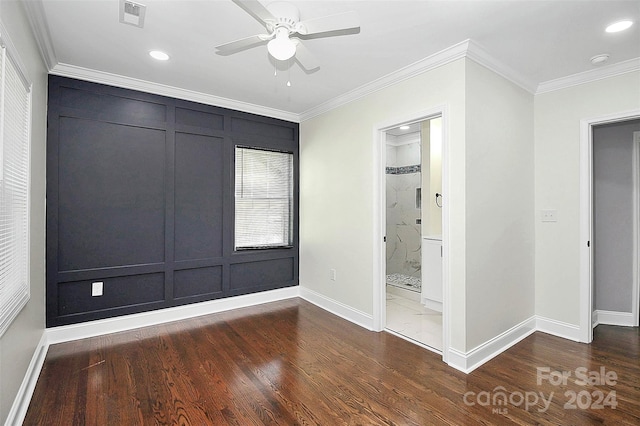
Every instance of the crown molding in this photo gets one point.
(40, 29)
(66, 70)
(465, 49)
(613, 70)
(478, 54)
(436, 60)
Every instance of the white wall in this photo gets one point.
(434, 224)
(499, 205)
(557, 185)
(337, 201)
(19, 342)
(407, 150)
(491, 197)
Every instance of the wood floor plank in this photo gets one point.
(292, 363)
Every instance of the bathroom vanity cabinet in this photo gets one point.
(431, 295)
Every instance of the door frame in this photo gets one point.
(635, 302)
(586, 221)
(380, 217)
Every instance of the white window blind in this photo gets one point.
(15, 118)
(263, 199)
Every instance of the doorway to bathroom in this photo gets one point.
(413, 229)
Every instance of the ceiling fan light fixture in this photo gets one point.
(281, 47)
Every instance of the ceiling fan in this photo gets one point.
(282, 21)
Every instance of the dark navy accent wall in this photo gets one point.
(140, 197)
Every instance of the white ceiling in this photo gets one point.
(539, 41)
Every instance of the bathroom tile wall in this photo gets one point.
(403, 233)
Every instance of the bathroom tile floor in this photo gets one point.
(412, 320)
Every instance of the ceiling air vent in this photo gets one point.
(132, 13)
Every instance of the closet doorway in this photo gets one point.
(609, 188)
(616, 217)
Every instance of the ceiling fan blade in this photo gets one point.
(341, 21)
(257, 10)
(305, 57)
(243, 43)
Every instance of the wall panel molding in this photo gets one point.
(140, 198)
(67, 333)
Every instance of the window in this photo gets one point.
(263, 199)
(15, 117)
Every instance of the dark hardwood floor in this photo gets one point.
(290, 363)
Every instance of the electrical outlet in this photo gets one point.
(549, 215)
(96, 288)
(332, 274)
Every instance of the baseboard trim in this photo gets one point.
(432, 304)
(558, 328)
(68, 333)
(625, 319)
(337, 308)
(469, 361)
(25, 392)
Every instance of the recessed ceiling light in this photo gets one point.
(161, 56)
(619, 26)
(405, 127)
(599, 59)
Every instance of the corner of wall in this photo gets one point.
(500, 248)
(20, 342)
(21, 402)
(337, 308)
(470, 360)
